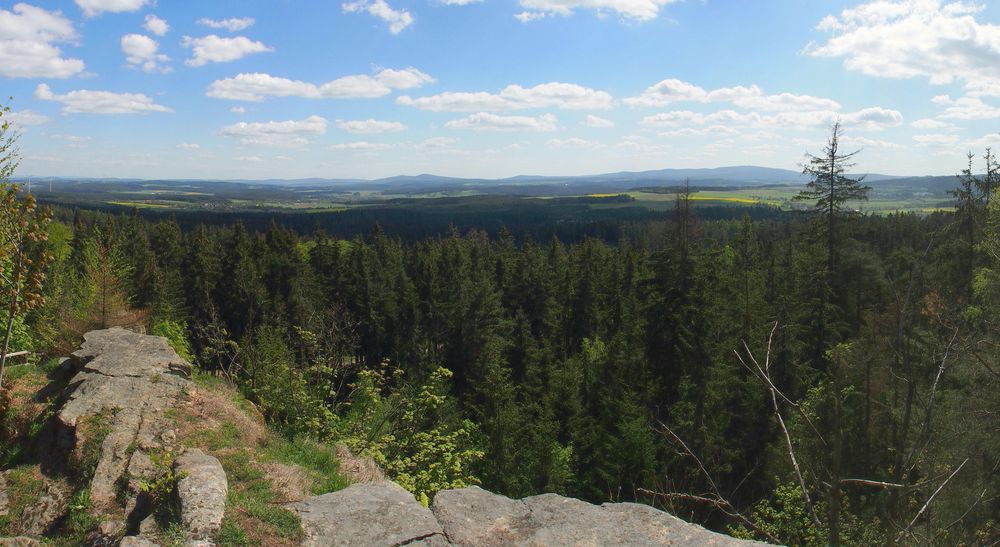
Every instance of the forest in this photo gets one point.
(805, 377)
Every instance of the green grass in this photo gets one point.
(319, 460)
(251, 505)
(24, 486)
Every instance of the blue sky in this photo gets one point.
(487, 88)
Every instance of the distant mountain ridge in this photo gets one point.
(739, 175)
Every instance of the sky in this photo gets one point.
(247, 89)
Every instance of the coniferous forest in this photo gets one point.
(810, 377)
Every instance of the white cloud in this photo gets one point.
(485, 121)
(282, 158)
(254, 159)
(396, 19)
(970, 108)
(215, 49)
(935, 139)
(27, 35)
(672, 91)
(597, 122)
(639, 10)
(529, 16)
(458, 2)
(407, 78)
(96, 7)
(865, 142)
(573, 142)
(370, 126)
(868, 119)
(232, 24)
(290, 133)
(929, 123)
(436, 143)
(238, 109)
(188, 146)
(25, 118)
(941, 41)
(257, 86)
(699, 132)
(361, 146)
(141, 51)
(514, 97)
(156, 25)
(85, 101)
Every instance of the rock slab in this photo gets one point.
(379, 513)
(202, 489)
(473, 516)
(133, 377)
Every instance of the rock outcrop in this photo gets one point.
(129, 381)
(377, 513)
(382, 513)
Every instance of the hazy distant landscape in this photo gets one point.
(653, 190)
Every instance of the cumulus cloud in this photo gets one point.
(870, 119)
(929, 123)
(96, 7)
(940, 41)
(396, 19)
(25, 118)
(85, 101)
(254, 159)
(215, 49)
(969, 108)
(361, 146)
(188, 146)
(141, 51)
(27, 38)
(156, 25)
(258, 86)
(232, 24)
(597, 122)
(486, 121)
(672, 91)
(370, 126)
(638, 10)
(289, 133)
(514, 97)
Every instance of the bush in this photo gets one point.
(175, 333)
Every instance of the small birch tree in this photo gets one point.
(22, 230)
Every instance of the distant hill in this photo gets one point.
(740, 175)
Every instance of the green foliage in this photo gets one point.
(176, 333)
(406, 433)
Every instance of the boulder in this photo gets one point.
(19, 541)
(378, 513)
(202, 488)
(472, 516)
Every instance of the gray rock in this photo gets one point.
(38, 517)
(202, 489)
(138, 377)
(472, 516)
(379, 513)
